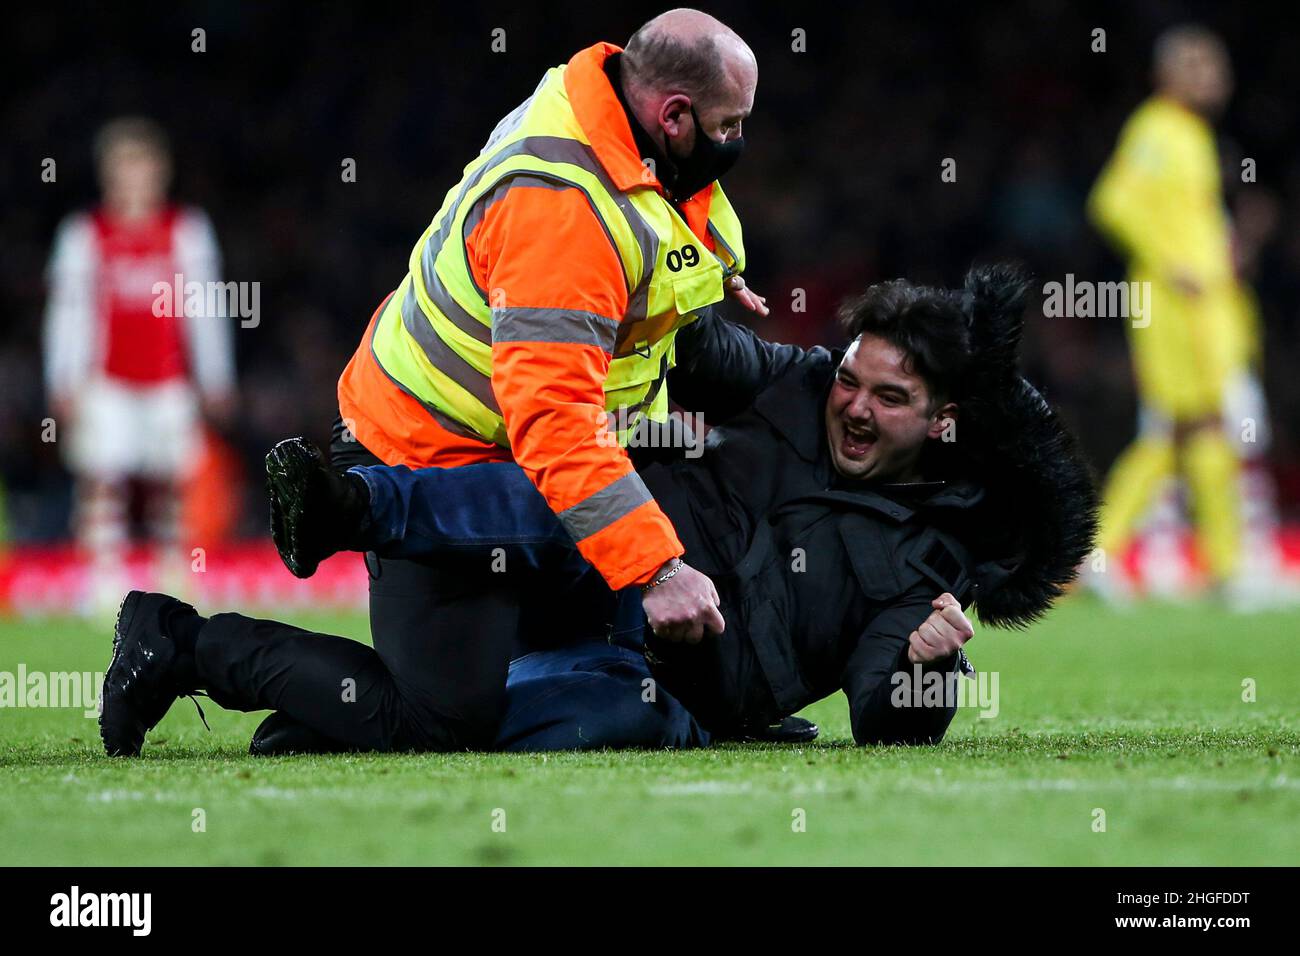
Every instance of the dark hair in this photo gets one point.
(656, 60)
(130, 129)
(926, 324)
(1174, 39)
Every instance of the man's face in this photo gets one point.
(721, 117)
(1201, 77)
(134, 176)
(877, 413)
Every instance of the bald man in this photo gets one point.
(536, 325)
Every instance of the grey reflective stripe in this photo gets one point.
(510, 122)
(440, 354)
(638, 303)
(606, 506)
(553, 149)
(650, 395)
(557, 149)
(442, 418)
(498, 192)
(717, 238)
(448, 306)
(453, 426)
(556, 182)
(571, 326)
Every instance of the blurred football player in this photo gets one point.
(1159, 199)
(126, 378)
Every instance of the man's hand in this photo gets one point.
(746, 297)
(683, 607)
(941, 634)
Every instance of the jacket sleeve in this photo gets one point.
(556, 288)
(879, 679)
(722, 367)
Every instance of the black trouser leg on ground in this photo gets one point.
(435, 679)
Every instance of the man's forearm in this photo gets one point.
(899, 711)
(722, 367)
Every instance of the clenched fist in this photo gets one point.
(941, 634)
(684, 606)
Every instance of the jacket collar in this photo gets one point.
(794, 404)
(603, 119)
(959, 494)
(900, 502)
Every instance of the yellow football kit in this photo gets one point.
(1159, 200)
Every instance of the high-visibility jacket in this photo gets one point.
(544, 296)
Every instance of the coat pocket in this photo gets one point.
(694, 291)
(871, 557)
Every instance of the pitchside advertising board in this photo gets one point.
(333, 907)
(41, 581)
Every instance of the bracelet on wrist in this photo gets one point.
(663, 577)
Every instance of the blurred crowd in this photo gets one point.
(840, 184)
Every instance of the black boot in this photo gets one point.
(314, 511)
(280, 734)
(148, 670)
(788, 730)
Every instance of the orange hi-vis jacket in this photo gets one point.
(537, 318)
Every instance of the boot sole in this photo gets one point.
(125, 614)
(288, 469)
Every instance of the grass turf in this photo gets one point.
(1139, 715)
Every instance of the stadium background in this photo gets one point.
(839, 185)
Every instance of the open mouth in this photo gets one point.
(857, 441)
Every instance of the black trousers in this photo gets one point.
(435, 679)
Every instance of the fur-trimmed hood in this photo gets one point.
(1039, 516)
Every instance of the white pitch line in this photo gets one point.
(1181, 784)
(731, 788)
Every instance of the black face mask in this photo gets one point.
(709, 160)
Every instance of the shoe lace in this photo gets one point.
(194, 696)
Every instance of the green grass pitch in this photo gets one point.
(1132, 720)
